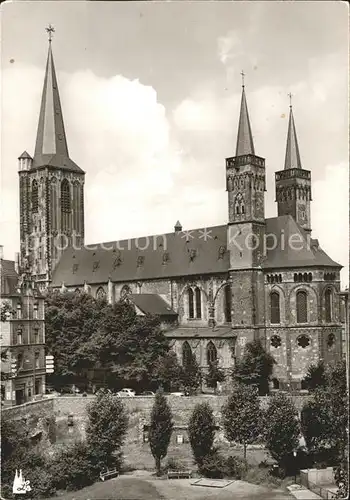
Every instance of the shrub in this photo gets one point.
(42, 482)
(213, 465)
(236, 467)
(173, 464)
(160, 429)
(201, 431)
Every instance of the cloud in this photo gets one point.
(229, 47)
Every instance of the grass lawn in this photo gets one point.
(150, 488)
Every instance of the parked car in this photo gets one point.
(147, 393)
(126, 393)
(70, 389)
(177, 394)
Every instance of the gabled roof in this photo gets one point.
(245, 145)
(9, 278)
(151, 303)
(51, 144)
(292, 159)
(185, 253)
(25, 156)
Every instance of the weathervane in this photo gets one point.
(50, 29)
(242, 75)
(290, 95)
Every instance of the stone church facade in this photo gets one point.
(214, 288)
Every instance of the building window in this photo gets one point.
(36, 335)
(303, 341)
(125, 291)
(212, 354)
(100, 294)
(65, 196)
(19, 336)
(186, 354)
(331, 340)
(328, 305)
(35, 197)
(275, 307)
(276, 341)
(190, 303)
(228, 303)
(19, 311)
(37, 360)
(301, 307)
(19, 360)
(198, 303)
(35, 310)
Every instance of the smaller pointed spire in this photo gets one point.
(245, 145)
(292, 159)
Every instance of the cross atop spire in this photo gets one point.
(242, 75)
(292, 159)
(50, 30)
(245, 145)
(290, 95)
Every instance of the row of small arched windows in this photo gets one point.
(188, 356)
(300, 277)
(302, 341)
(301, 307)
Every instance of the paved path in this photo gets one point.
(302, 493)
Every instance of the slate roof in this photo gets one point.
(201, 332)
(245, 145)
(9, 278)
(292, 159)
(151, 303)
(202, 251)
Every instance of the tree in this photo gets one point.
(160, 430)
(167, 372)
(282, 428)
(214, 375)
(242, 416)
(106, 430)
(325, 416)
(201, 431)
(255, 367)
(316, 376)
(191, 375)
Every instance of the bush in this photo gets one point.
(41, 482)
(201, 432)
(236, 467)
(173, 464)
(213, 466)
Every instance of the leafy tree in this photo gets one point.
(191, 375)
(255, 367)
(325, 416)
(316, 376)
(282, 428)
(214, 375)
(242, 416)
(160, 430)
(106, 429)
(341, 476)
(201, 431)
(167, 372)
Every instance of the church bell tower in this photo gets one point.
(51, 189)
(245, 177)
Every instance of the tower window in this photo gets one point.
(303, 341)
(35, 310)
(328, 305)
(301, 307)
(36, 335)
(190, 303)
(237, 210)
(212, 354)
(198, 303)
(275, 307)
(65, 196)
(35, 201)
(242, 209)
(37, 360)
(276, 341)
(228, 303)
(186, 354)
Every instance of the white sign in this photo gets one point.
(242, 341)
(20, 485)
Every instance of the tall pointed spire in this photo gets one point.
(292, 159)
(245, 143)
(51, 143)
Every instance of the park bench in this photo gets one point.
(179, 474)
(108, 474)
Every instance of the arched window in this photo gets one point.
(19, 336)
(275, 307)
(198, 302)
(125, 291)
(228, 303)
(65, 196)
(212, 354)
(34, 196)
(100, 294)
(301, 307)
(186, 354)
(328, 305)
(190, 303)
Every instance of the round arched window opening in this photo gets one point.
(303, 341)
(276, 341)
(331, 340)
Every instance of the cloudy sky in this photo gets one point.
(150, 95)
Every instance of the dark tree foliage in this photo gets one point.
(282, 429)
(160, 430)
(191, 375)
(255, 368)
(201, 431)
(214, 375)
(167, 372)
(242, 416)
(325, 416)
(316, 376)
(106, 430)
(83, 333)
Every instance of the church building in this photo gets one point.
(214, 288)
